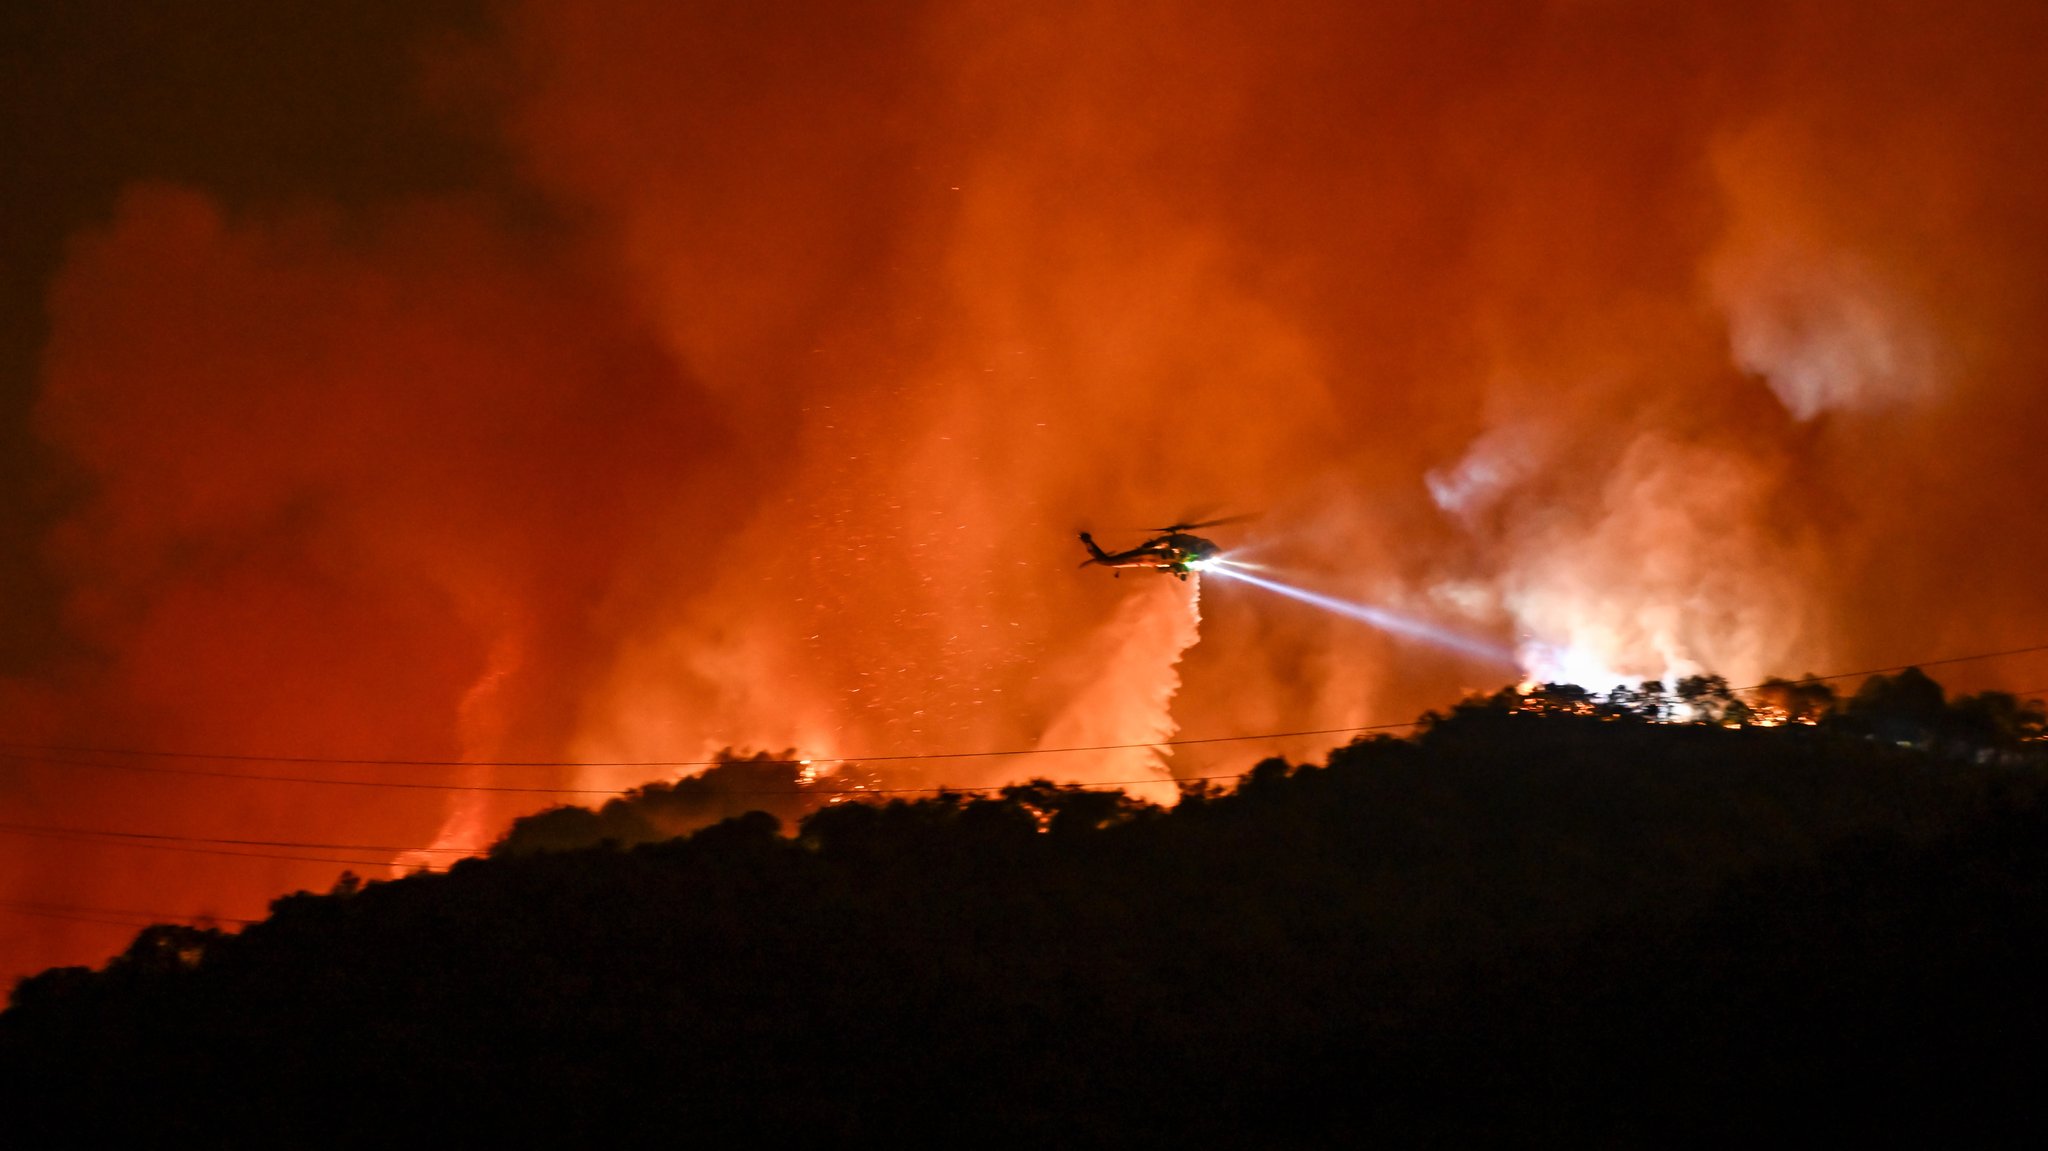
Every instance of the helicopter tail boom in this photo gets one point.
(1096, 554)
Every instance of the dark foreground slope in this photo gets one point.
(1516, 927)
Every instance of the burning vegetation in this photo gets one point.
(1909, 708)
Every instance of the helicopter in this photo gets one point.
(1172, 550)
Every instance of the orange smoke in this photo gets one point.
(1644, 341)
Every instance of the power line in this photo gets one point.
(219, 845)
(125, 924)
(27, 750)
(908, 755)
(160, 839)
(944, 787)
(66, 911)
(166, 841)
(347, 761)
(402, 785)
(22, 754)
(173, 842)
(28, 828)
(37, 754)
(407, 785)
(1904, 666)
(87, 838)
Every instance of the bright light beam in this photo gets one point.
(1377, 617)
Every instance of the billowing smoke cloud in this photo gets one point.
(1637, 339)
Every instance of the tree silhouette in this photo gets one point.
(1996, 721)
(1708, 699)
(1909, 709)
(1493, 927)
(732, 786)
(1806, 701)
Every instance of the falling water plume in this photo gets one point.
(1128, 699)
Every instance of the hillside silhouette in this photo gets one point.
(1546, 916)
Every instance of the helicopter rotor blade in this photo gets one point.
(1215, 523)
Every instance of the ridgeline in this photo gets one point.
(1547, 916)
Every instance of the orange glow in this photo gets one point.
(1679, 338)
